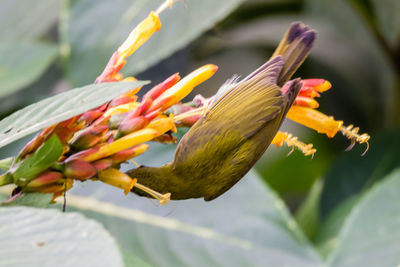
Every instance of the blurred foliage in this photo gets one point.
(60, 44)
(54, 237)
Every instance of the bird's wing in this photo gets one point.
(239, 113)
(251, 103)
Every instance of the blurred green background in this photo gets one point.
(50, 46)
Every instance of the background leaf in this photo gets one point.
(327, 236)
(370, 234)
(388, 19)
(21, 63)
(60, 107)
(37, 237)
(352, 174)
(307, 215)
(26, 19)
(92, 43)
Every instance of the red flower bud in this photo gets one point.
(144, 105)
(129, 153)
(157, 90)
(103, 164)
(130, 125)
(90, 116)
(89, 137)
(44, 179)
(122, 100)
(79, 169)
(152, 115)
(82, 154)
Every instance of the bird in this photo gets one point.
(235, 130)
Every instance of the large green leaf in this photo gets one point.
(93, 43)
(37, 237)
(307, 216)
(351, 173)
(388, 17)
(26, 19)
(22, 63)
(327, 238)
(58, 108)
(370, 235)
(248, 225)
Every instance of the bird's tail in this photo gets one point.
(294, 48)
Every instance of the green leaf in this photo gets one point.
(60, 107)
(26, 19)
(370, 235)
(327, 240)
(92, 44)
(5, 164)
(388, 17)
(133, 261)
(37, 237)
(21, 63)
(42, 159)
(37, 200)
(247, 226)
(352, 174)
(307, 215)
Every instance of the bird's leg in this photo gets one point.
(292, 141)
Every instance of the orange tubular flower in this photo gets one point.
(303, 112)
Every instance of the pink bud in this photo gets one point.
(157, 90)
(152, 115)
(131, 124)
(103, 164)
(144, 105)
(82, 154)
(90, 116)
(129, 153)
(122, 100)
(45, 179)
(79, 169)
(89, 137)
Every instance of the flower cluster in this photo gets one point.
(92, 145)
(95, 143)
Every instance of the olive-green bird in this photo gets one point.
(237, 128)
